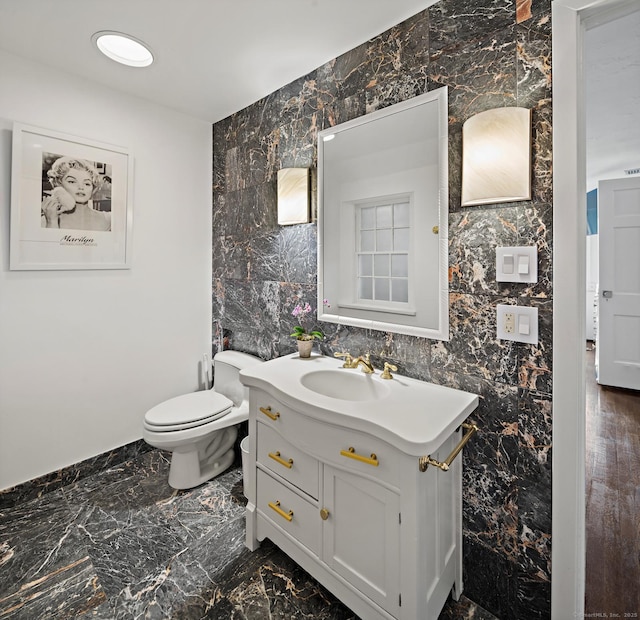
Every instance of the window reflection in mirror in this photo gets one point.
(382, 219)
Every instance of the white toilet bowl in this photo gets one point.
(200, 428)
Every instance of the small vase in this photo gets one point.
(304, 348)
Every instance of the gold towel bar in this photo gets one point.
(425, 461)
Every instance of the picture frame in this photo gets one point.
(71, 202)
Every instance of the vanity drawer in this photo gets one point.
(282, 457)
(351, 450)
(289, 511)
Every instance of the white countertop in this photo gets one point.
(413, 416)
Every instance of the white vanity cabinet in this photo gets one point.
(345, 498)
(336, 511)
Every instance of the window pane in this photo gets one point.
(383, 240)
(381, 264)
(400, 290)
(401, 239)
(401, 215)
(383, 217)
(384, 251)
(365, 265)
(367, 241)
(367, 218)
(365, 288)
(382, 289)
(400, 265)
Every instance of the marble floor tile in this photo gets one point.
(45, 568)
(121, 544)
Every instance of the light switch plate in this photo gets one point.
(508, 260)
(512, 322)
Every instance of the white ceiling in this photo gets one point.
(215, 57)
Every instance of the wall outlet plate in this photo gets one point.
(517, 323)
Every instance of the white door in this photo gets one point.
(618, 343)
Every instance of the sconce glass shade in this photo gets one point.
(293, 196)
(496, 157)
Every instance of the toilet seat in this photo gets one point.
(187, 411)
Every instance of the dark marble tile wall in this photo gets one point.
(489, 53)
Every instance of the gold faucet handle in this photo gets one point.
(348, 359)
(387, 367)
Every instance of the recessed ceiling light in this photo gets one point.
(123, 48)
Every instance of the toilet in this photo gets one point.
(200, 428)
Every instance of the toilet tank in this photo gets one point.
(226, 368)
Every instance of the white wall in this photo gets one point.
(83, 354)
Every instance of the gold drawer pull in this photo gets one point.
(324, 514)
(425, 461)
(285, 515)
(276, 457)
(267, 412)
(369, 460)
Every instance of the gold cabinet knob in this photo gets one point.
(435, 230)
(324, 514)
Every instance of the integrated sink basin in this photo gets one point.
(412, 415)
(344, 384)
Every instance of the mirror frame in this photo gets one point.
(441, 330)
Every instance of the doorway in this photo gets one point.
(612, 526)
(568, 535)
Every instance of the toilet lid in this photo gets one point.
(188, 410)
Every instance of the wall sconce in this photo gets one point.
(496, 157)
(293, 196)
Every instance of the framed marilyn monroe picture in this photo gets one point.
(71, 202)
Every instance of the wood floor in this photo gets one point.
(613, 500)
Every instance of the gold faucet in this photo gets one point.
(367, 366)
(349, 362)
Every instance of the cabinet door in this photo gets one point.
(361, 535)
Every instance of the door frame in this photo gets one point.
(569, 22)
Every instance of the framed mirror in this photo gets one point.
(382, 219)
